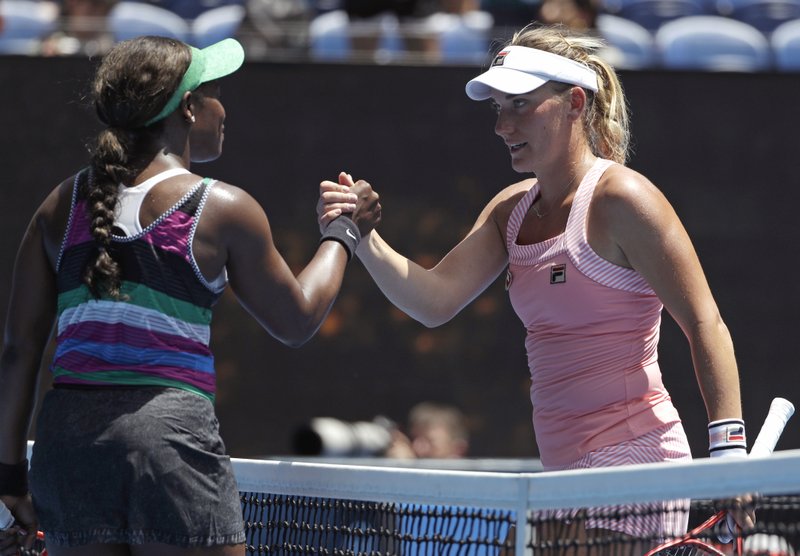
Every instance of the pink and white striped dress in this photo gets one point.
(592, 336)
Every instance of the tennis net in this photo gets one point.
(317, 508)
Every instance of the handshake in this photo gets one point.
(347, 211)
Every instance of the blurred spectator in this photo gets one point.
(578, 15)
(25, 23)
(375, 25)
(199, 23)
(279, 24)
(509, 15)
(382, 30)
(435, 430)
(82, 30)
(458, 32)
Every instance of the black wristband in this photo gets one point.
(14, 478)
(346, 232)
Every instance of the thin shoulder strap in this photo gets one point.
(518, 215)
(81, 177)
(581, 253)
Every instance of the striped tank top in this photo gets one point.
(592, 331)
(158, 332)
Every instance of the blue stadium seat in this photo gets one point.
(630, 46)
(329, 36)
(332, 35)
(714, 43)
(785, 42)
(651, 14)
(25, 24)
(216, 24)
(764, 15)
(463, 38)
(133, 19)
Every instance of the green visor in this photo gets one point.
(210, 63)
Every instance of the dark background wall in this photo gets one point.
(723, 147)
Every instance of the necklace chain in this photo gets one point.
(535, 208)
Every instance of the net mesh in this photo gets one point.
(279, 524)
(305, 508)
(643, 510)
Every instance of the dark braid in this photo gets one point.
(132, 84)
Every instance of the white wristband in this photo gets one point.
(726, 438)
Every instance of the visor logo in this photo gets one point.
(500, 58)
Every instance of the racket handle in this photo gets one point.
(780, 410)
(6, 519)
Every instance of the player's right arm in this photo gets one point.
(29, 324)
(434, 296)
(291, 308)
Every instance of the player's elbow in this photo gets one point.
(297, 336)
(435, 315)
(294, 342)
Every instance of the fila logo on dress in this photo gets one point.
(558, 274)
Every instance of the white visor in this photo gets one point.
(519, 69)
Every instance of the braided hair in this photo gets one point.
(131, 85)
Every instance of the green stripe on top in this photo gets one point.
(123, 378)
(141, 296)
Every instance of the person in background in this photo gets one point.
(83, 29)
(578, 15)
(127, 258)
(592, 252)
(435, 430)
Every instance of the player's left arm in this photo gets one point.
(646, 234)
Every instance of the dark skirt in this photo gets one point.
(133, 466)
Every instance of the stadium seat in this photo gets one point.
(651, 14)
(630, 46)
(329, 36)
(463, 38)
(132, 19)
(714, 43)
(25, 24)
(785, 42)
(764, 15)
(216, 24)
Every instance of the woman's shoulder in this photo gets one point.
(508, 198)
(624, 195)
(620, 187)
(620, 181)
(229, 196)
(230, 206)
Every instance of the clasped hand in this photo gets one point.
(355, 199)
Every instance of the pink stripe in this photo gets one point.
(663, 520)
(79, 232)
(518, 215)
(132, 336)
(172, 234)
(583, 256)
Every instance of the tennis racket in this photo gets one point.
(697, 541)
